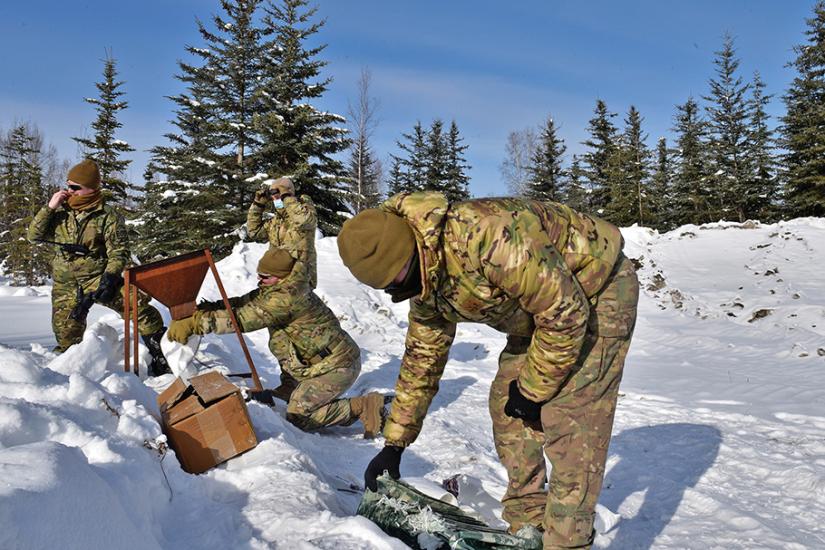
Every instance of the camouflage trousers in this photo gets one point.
(314, 403)
(575, 424)
(67, 331)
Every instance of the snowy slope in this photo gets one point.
(719, 439)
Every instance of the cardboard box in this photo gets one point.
(205, 422)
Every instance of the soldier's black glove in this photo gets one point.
(109, 286)
(388, 459)
(519, 406)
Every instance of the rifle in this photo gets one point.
(73, 249)
(84, 304)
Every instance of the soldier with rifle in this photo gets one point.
(92, 252)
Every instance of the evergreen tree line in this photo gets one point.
(431, 159)
(726, 162)
(30, 172)
(246, 116)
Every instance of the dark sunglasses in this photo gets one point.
(261, 276)
(74, 187)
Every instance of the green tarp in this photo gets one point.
(425, 523)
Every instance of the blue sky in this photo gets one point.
(492, 66)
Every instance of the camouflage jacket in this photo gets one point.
(101, 229)
(318, 344)
(292, 228)
(523, 267)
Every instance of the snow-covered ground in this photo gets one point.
(719, 439)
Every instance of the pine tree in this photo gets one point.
(802, 135)
(296, 138)
(577, 196)
(185, 210)
(660, 199)
(103, 148)
(364, 169)
(435, 155)
(728, 132)
(457, 181)
(227, 82)
(397, 182)
(546, 172)
(411, 165)
(690, 195)
(629, 174)
(760, 193)
(24, 192)
(515, 168)
(602, 143)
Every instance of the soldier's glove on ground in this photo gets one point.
(519, 406)
(262, 197)
(109, 286)
(388, 459)
(181, 329)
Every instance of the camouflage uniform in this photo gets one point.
(555, 281)
(103, 231)
(322, 357)
(293, 229)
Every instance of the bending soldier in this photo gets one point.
(92, 251)
(556, 283)
(324, 361)
(292, 228)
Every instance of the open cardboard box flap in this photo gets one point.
(207, 422)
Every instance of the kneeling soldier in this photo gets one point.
(324, 359)
(92, 251)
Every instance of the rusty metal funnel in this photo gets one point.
(174, 282)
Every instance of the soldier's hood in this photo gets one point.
(426, 212)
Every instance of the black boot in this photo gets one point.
(158, 366)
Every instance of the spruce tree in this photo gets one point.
(760, 193)
(103, 147)
(435, 155)
(802, 134)
(397, 181)
(728, 133)
(296, 138)
(546, 172)
(690, 194)
(660, 199)
(227, 82)
(629, 174)
(411, 165)
(24, 192)
(457, 181)
(602, 144)
(577, 196)
(185, 210)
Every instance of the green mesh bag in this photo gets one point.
(425, 523)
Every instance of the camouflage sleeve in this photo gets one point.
(517, 255)
(301, 227)
(429, 338)
(256, 228)
(117, 244)
(41, 226)
(258, 311)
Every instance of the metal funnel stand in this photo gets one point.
(174, 282)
